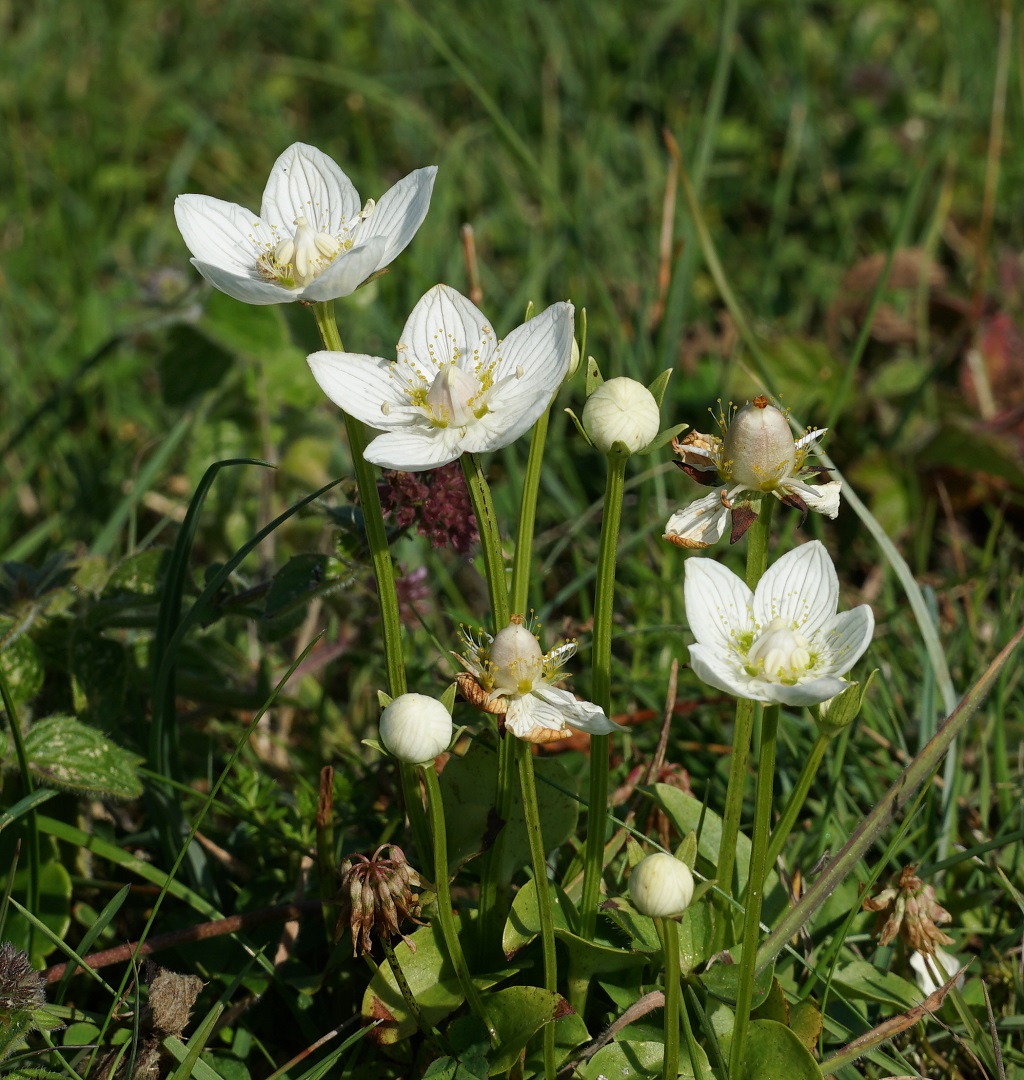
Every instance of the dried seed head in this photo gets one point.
(377, 895)
(22, 989)
(908, 908)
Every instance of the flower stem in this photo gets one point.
(429, 1033)
(757, 560)
(495, 898)
(522, 564)
(531, 814)
(796, 802)
(593, 860)
(383, 571)
(755, 883)
(670, 951)
(444, 898)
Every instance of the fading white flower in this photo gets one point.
(455, 388)
(313, 240)
(508, 675)
(930, 972)
(660, 885)
(782, 643)
(757, 456)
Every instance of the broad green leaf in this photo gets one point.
(722, 981)
(805, 1022)
(469, 1067)
(774, 1007)
(54, 911)
(860, 979)
(637, 1061)
(518, 1012)
(772, 1052)
(20, 662)
(64, 753)
(300, 579)
(469, 787)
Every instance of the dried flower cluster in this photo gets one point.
(436, 502)
(908, 908)
(377, 894)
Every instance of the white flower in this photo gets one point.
(757, 456)
(660, 885)
(454, 388)
(509, 676)
(312, 241)
(621, 411)
(415, 728)
(782, 643)
(926, 968)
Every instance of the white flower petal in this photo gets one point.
(926, 969)
(846, 640)
(399, 213)
(493, 431)
(221, 234)
(584, 715)
(801, 587)
(535, 359)
(822, 498)
(717, 604)
(346, 273)
(444, 326)
(717, 668)
(414, 449)
(359, 384)
(526, 713)
(304, 180)
(700, 524)
(244, 287)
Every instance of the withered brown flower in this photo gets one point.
(377, 894)
(908, 907)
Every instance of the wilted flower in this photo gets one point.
(908, 907)
(782, 643)
(436, 501)
(22, 988)
(312, 241)
(508, 675)
(661, 886)
(454, 388)
(377, 894)
(415, 728)
(621, 414)
(757, 456)
(931, 971)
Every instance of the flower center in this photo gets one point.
(304, 255)
(758, 450)
(455, 398)
(517, 661)
(780, 654)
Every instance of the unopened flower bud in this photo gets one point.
(759, 449)
(574, 362)
(661, 886)
(839, 711)
(621, 415)
(415, 728)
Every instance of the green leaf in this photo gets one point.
(518, 1012)
(65, 753)
(660, 385)
(433, 982)
(190, 365)
(300, 579)
(772, 1052)
(638, 1061)
(722, 981)
(805, 1021)
(20, 661)
(54, 912)
(860, 979)
(594, 376)
(470, 1067)
(469, 787)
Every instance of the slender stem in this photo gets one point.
(755, 883)
(670, 951)
(32, 820)
(522, 564)
(444, 898)
(593, 863)
(495, 897)
(757, 560)
(796, 801)
(531, 814)
(383, 571)
(410, 999)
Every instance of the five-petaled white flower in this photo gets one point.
(454, 388)
(782, 643)
(756, 456)
(508, 675)
(312, 241)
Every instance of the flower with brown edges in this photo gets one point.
(908, 908)
(377, 895)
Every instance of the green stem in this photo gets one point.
(495, 897)
(796, 801)
(669, 930)
(32, 821)
(412, 1004)
(522, 564)
(755, 883)
(444, 898)
(757, 559)
(384, 574)
(531, 814)
(604, 599)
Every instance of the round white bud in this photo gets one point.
(759, 449)
(660, 885)
(415, 728)
(621, 411)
